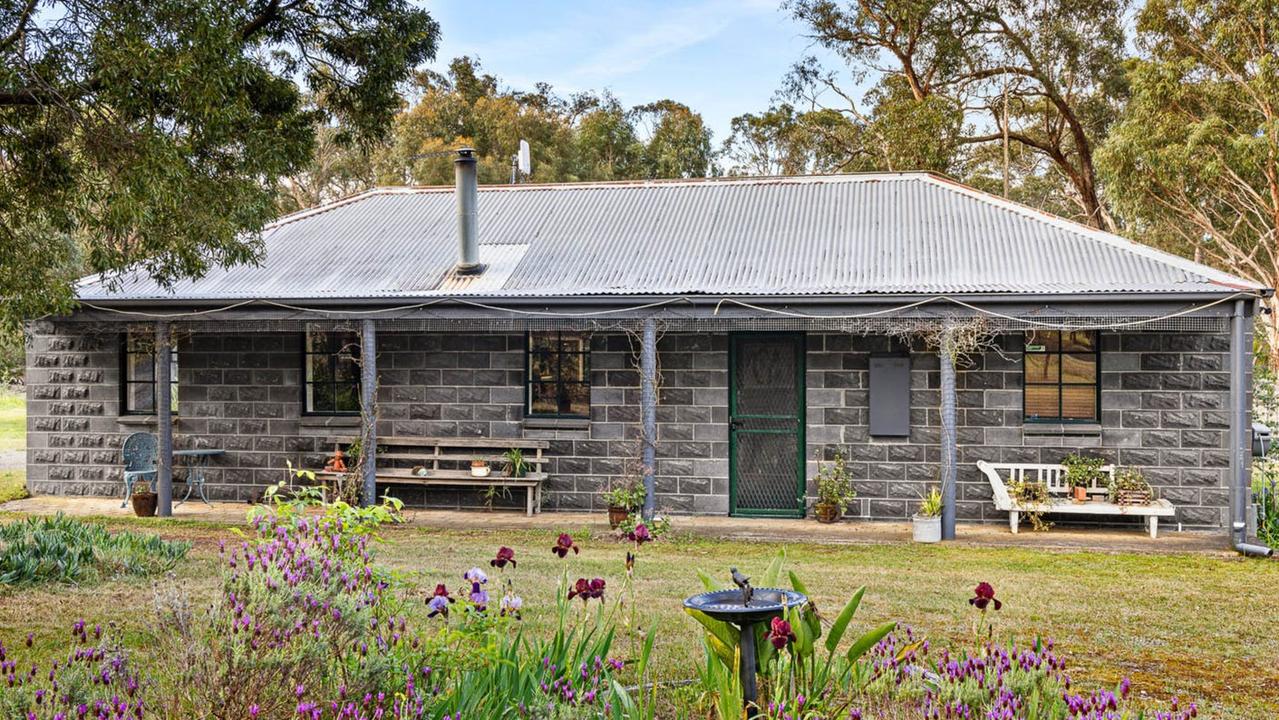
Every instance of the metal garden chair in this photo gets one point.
(139, 461)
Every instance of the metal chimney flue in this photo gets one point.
(467, 193)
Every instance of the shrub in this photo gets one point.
(66, 550)
(1083, 471)
(835, 483)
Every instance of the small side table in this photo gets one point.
(196, 466)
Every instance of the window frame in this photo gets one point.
(585, 354)
(304, 384)
(1060, 384)
(125, 383)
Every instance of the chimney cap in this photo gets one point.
(466, 153)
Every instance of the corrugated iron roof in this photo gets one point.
(890, 233)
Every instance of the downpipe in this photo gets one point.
(1239, 455)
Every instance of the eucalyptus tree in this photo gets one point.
(1194, 163)
(151, 132)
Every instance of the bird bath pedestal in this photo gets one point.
(746, 607)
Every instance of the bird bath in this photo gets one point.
(746, 607)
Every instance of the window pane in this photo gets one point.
(572, 368)
(346, 369)
(319, 368)
(319, 397)
(542, 366)
(140, 366)
(577, 399)
(1041, 401)
(1079, 368)
(573, 343)
(173, 394)
(347, 398)
(543, 399)
(542, 341)
(1042, 368)
(1043, 340)
(1079, 341)
(139, 397)
(1079, 402)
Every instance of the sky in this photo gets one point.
(722, 58)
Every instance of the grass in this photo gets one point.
(1187, 625)
(13, 485)
(13, 419)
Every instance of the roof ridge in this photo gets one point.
(1119, 242)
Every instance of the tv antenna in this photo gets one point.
(521, 163)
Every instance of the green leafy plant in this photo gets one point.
(1265, 497)
(1128, 480)
(1083, 471)
(628, 495)
(65, 550)
(835, 483)
(491, 493)
(931, 505)
(1033, 496)
(516, 465)
(657, 527)
(803, 668)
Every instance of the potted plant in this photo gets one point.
(479, 468)
(1033, 496)
(1129, 487)
(1082, 473)
(926, 524)
(143, 500)
(834, 489)
(516, 465)
(623, 500)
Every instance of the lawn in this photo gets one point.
(13, 419)
(1190, 626)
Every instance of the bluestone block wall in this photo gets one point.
(1165, 410)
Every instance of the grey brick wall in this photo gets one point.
(1164, 403)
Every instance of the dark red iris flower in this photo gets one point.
(630, 562)
(983, 596)
(563, 544)
(640, 535)
(780, 633)
(504, 555)
(587, 589)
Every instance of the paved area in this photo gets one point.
(764, 530)
(13, 459)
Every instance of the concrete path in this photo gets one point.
(13, 459)
(751, 529)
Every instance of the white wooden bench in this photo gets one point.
(447, 462)
(1001, 475)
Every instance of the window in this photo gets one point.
(138, 374)
(331, 363)
(558, 375)
(1061, 376)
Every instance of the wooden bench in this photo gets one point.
(1053, 477)
(448, 463)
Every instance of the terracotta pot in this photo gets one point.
(1081, 494)
(826, 512)
(143, 504)
(617, 515)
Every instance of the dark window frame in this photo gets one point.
(305, 385)
(1060, 384)
(126, 349)
(560, 384)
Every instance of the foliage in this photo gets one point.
(1192, 164)
(151, 133)
(659, 526)
(802, 671)
(949, 79)
(1034, 495)
(516, 465)
(628, 494)
(1083, 471)
(13, 355)
(835, 482)
(61, 549)
(1265, 497)
(1128, 480)
(931, 506)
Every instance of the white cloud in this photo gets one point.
(663, 34)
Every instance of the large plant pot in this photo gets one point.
(617, 515)
(826, 512)
(1081, 493)
(926, 528)
(1132, 497)
(143, 504)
